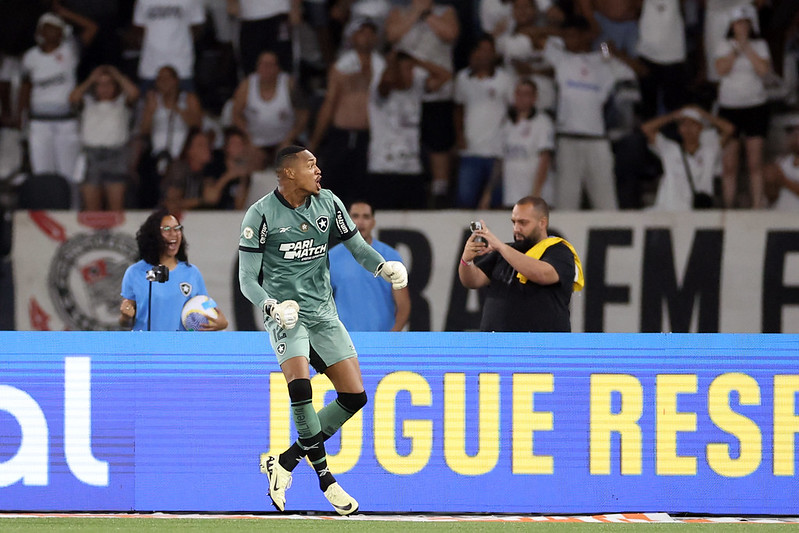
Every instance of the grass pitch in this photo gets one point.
(300, 525)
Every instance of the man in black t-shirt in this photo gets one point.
(530, 281)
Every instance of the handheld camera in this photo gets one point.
(159, 274)
(475, 225)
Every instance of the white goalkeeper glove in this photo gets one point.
(285, 313)
(395, 273)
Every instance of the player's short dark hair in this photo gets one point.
(539, 204)
(286, 154)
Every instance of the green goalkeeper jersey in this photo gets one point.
(283, 251)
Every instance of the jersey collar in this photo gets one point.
(285, 202)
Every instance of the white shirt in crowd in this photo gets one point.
(485, 103)
(263, 9)
(661, 37)
(269, 121)
(493, 12)
(518, 47)
(741, 86)
(584, 81)
(394, 128)
(523, 142)
(104, 123)
(167, 35)
(787, 199)
(53, 77)
(674, 191)
(717, 23)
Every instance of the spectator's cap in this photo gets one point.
(692, 114)
(364, 21)
(744, 12)
(54, 20)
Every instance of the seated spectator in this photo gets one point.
(186, 177)
(168, 29)
(167, 116)
(481, 101)
(782, 176)
(688, 165)
(228, 184)
(105, 99)
(269, 106)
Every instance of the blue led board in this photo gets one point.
(456, 422)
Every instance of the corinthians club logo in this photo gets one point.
(85, 277)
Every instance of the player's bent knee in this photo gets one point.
(352, 401)
(300, 390)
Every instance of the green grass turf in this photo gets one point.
(244, 525)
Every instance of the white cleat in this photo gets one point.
(279, 480)
(343, 503)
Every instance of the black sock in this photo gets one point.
(315, 450)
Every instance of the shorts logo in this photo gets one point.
(248, 233)
(185, 288)
(281, 348)
(322, 223)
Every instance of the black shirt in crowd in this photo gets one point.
(511, 305)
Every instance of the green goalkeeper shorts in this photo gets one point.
(323, 343)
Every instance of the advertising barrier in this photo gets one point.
(706, 272)
(456, 422)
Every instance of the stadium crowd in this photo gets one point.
(410, 104)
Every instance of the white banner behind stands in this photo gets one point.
(708, 271)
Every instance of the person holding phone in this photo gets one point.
(529, 281)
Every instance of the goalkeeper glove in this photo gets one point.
(394, 272)
(285, 313)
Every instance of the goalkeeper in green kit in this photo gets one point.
(283, 269)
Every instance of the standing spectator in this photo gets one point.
(783, 174)
(396, 174)
(269, 106)
(585, 81)
(341, 131)
(662, 50)
(350, 13)
(689, 165)
(523, 59)
(481, 102)
(229, 183)
(168, 29)
(742, 62)
(267, 25)
(428, 31)
(716, 27)
(166, 118)
(105, 97)
(528, 143)
(154, 306)
(188, 175)
(48, 77)
(613, 21)
(364, 302)
(530, 281)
